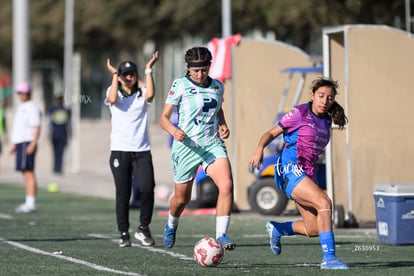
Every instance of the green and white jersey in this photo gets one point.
(197, 110)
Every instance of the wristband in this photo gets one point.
(148, 71)
(116, 73)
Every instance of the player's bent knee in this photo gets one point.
(324, 204)
(311, 231)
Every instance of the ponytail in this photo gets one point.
(337, 113)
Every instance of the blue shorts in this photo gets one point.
(24, 161)
(288, 176)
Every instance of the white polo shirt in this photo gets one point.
(27, 118)
(129, 119)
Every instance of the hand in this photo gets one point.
(256, 161)
(224, 132)
(179, 135)
(13, 149)
(110, 68)
(31, 148)
(152, 61)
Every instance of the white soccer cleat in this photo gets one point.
(24, 209)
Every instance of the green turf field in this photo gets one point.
(72, 235)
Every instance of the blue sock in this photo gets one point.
(285, 228)
(328, 244)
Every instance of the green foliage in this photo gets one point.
(103, 25)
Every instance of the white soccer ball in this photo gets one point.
(162, 193)
(208, 252)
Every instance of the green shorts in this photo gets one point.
(185, 159)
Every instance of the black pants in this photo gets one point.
(58, 150)
(123, 165)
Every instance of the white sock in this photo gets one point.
(172, 221)
(222, 225)
(30, 201)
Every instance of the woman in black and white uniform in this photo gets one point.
(130, 147)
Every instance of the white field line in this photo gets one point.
(289, 237)
(69, 259)
(5, 216)
(149, 248)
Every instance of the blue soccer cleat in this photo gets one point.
(226, 242)
(275, 235)
(333, 263)
(169, 236)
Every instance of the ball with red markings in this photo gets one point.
(208, 252)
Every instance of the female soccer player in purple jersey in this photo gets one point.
(306, 132)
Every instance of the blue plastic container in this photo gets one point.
(394, 209)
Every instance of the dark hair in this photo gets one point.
(336, 110)
(197, 54)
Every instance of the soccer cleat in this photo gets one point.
(125, 240)
(169, 236)
(24, 209)
(226, 242)
(143, 234)
(275, 235)
(333, 263)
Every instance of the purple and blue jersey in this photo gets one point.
(306, 136)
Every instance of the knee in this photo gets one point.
(181, 200)
(313, 233)
(311, 230)
(324, 203)
(225, 187)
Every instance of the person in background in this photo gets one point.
(306, 132)
(198, 141)
(130, 145)
(24, 138)
(60, 132)
(2, 125)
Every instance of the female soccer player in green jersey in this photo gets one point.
(198, 141)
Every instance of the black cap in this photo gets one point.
(127, 66)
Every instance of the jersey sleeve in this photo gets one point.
(35, 118)
(106, 96)
(291, 120)
(144, 92)
(220, 86)
(175, 93)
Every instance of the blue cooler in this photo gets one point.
(394, 208)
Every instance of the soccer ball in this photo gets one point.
(162, 193)
(208, 252)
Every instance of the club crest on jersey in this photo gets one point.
(116, 163)
(292, 111)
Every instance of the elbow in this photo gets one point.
(162, 122)
(150, 98)
(111, 100)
